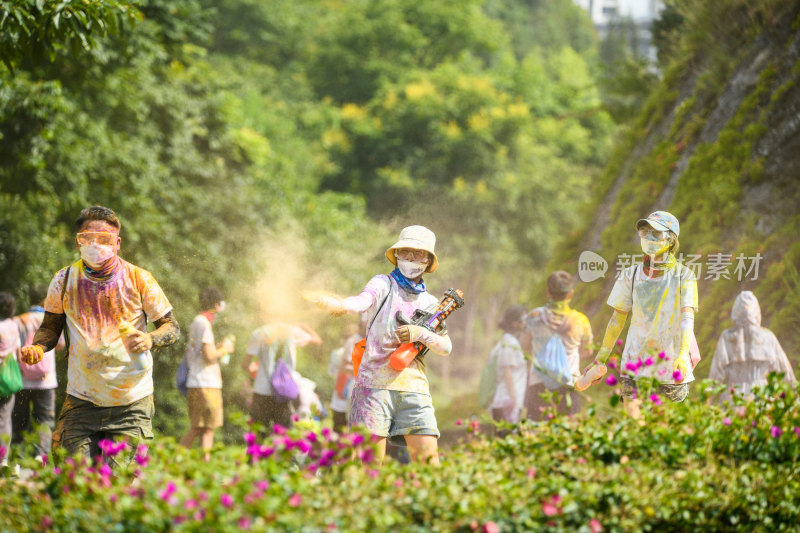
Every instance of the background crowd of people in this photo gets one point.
(99, 308)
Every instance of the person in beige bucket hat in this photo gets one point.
(417, 238)
(396, 405)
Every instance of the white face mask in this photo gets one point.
(654, 247)
(411, 269)
(95, 255)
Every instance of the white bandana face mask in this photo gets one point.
(95, 255)
(411, 269)
(654, 247)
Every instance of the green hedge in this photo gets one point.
(691, 466)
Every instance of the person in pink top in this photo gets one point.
(9, 344)
(39, 382)
(397, 405)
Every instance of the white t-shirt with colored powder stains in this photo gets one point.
(655, 305)
(100, 369)
(375, 371)
(201, 374)
(508, 354)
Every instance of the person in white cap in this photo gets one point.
(391, 404)
(747, 352)
(661, 295)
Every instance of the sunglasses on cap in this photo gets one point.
(97, 237)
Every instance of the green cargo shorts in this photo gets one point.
(82, 425)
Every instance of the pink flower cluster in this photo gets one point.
(111, 448)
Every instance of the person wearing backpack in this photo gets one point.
(396, 404)
(555, 330)
(204, 380)
(661, 295)
(273, 350)
(511, 368)
(38, 381)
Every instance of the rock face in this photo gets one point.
(718, 145)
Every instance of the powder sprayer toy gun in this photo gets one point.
(405, 353)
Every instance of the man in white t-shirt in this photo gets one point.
(204, 384)
(267, 344)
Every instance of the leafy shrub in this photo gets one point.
(690, 466)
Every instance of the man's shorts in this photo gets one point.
(205, 407)
(673, 392)
(82, 425)
(393, 414)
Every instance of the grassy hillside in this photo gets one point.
(716, 144)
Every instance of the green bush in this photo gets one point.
(690, 466)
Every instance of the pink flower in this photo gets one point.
(549, 509)
(168, 492)
(459, 422)
(295, 500)
(630, 366)
(47, 522)
(326, 432)
(261, 485)
(797, 431)
(245, 522)
(531, 473)
(595, 526)
(373, 473)
(295, 417)
(662, 371)
(775, 431)
(611, 364)
(105, 470)
(250, 438)
(726, 421)
(655, 399)
(663, 356)
(356, 439)
(619, 342)
(303, 445)
(367, 456)
(398, 483)
(190, 504)
(611, 380)
(279, 429)
(311, 437)
(580, 460)
(226, 500)
(649, 361)
(677, 376)
(490, 527)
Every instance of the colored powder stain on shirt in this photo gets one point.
(100, 369)
(375, 371)
(655, 305)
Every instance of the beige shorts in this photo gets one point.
(205, 408)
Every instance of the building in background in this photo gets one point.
(610, 14)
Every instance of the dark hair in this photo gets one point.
(98, 212)
(512, 314)
(7, 305)
(37, 294)
(559, 283)
(209, 297)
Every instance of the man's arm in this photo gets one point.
(50, 331)
(167, 331)
(614, 328)
(45, 339)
